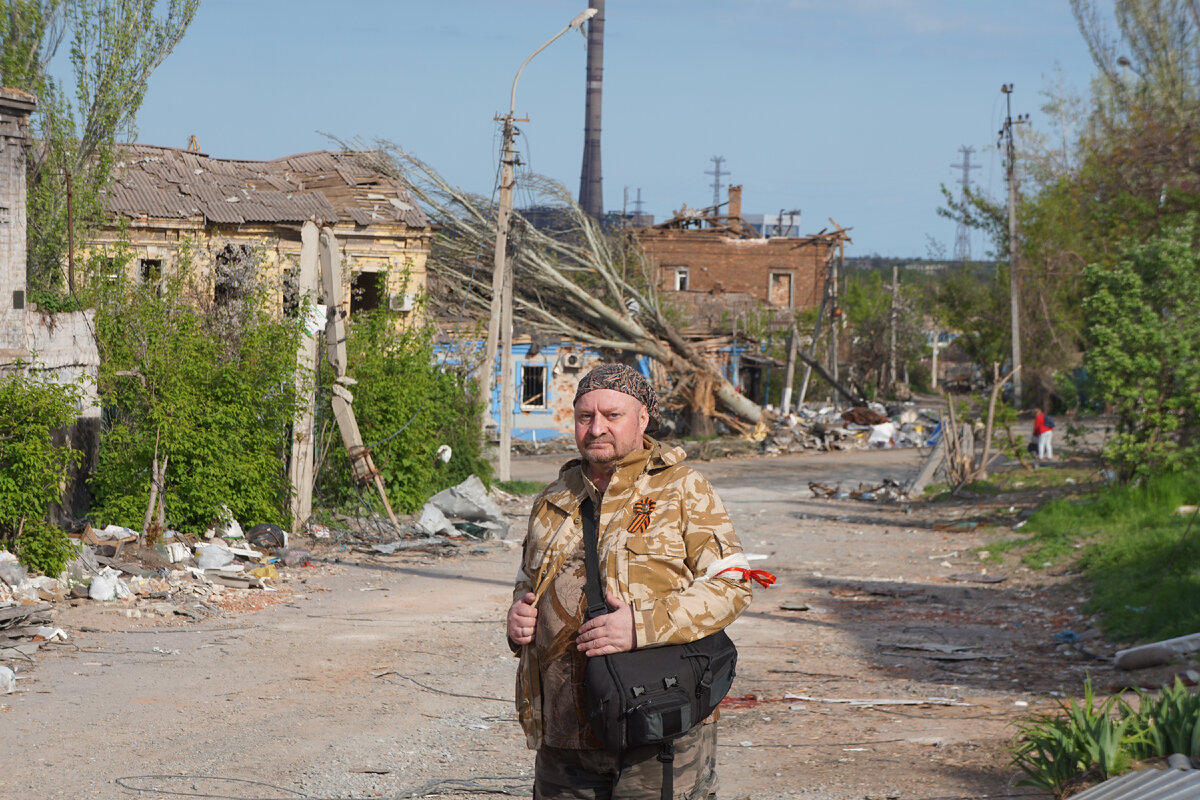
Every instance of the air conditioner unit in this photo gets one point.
(572, 361)
(401, 302)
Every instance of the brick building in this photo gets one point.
(713, 253)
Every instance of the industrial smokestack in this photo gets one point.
(591, 191)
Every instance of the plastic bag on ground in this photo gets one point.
(108, 586)
(213, 556)
(11, 571)
(8, 680)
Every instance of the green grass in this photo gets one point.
(519, 487)
(1127, 541)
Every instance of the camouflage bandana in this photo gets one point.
(626, 380)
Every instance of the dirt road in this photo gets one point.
(389, 676)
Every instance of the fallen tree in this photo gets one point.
(571, 279)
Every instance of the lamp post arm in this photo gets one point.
(575, 23)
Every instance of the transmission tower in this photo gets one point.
(716, 173)
(962, 240)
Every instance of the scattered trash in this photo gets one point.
(319, 531)
(267, 572)
(295, 556)
(267, 536)
(213, 556)
(928, 701)
(1066, 637)
(107, 586)
(970, 577)
(793, 606)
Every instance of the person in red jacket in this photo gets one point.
(1043, 433)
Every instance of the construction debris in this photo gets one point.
(859, 428)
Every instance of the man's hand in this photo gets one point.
(608, 633)
(522, 619)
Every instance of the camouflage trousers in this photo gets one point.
(633, 774)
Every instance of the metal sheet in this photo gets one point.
(1150, 784)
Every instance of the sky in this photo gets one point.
(851, 110)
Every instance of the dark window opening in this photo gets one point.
(681, 279)
(291, 292)
(151, 270)
(533, 385)
(366, 292)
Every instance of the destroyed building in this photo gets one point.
(717, 266)
(717, 252)
(165, 201)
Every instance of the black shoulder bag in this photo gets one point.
(654, 695)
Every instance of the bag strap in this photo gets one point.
(666, 754)
(596, 605)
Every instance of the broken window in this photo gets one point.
(367, 291)
(781, 289)
(291, 291)
(681, 279)
(233, 273)
(151, 273)
(533, 386)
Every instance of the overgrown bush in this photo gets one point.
(203, 378)
(407, 405)
(1145, 352)
(33, 468)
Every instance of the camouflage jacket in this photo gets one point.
(664, 534)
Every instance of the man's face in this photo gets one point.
(608, 425)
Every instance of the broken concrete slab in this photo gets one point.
(1157, 653)
(469, 500)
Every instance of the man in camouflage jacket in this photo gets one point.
(666, 547)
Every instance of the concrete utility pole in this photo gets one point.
(591, 190)
(835, 318)
(1006, 135)
(895, 311)
(500, 323)
(793, 342)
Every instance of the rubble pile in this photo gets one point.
(861, 427)
(180, 575)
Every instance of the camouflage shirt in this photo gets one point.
(664, 536)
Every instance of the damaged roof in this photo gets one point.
(324, 186)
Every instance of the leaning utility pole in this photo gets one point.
(1006, 135)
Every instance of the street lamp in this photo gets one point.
(500, 323)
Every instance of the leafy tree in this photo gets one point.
(115, 45)
(1145, 354)
(868, 305)
(407, 405)
(33, 468)
(202, 378)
